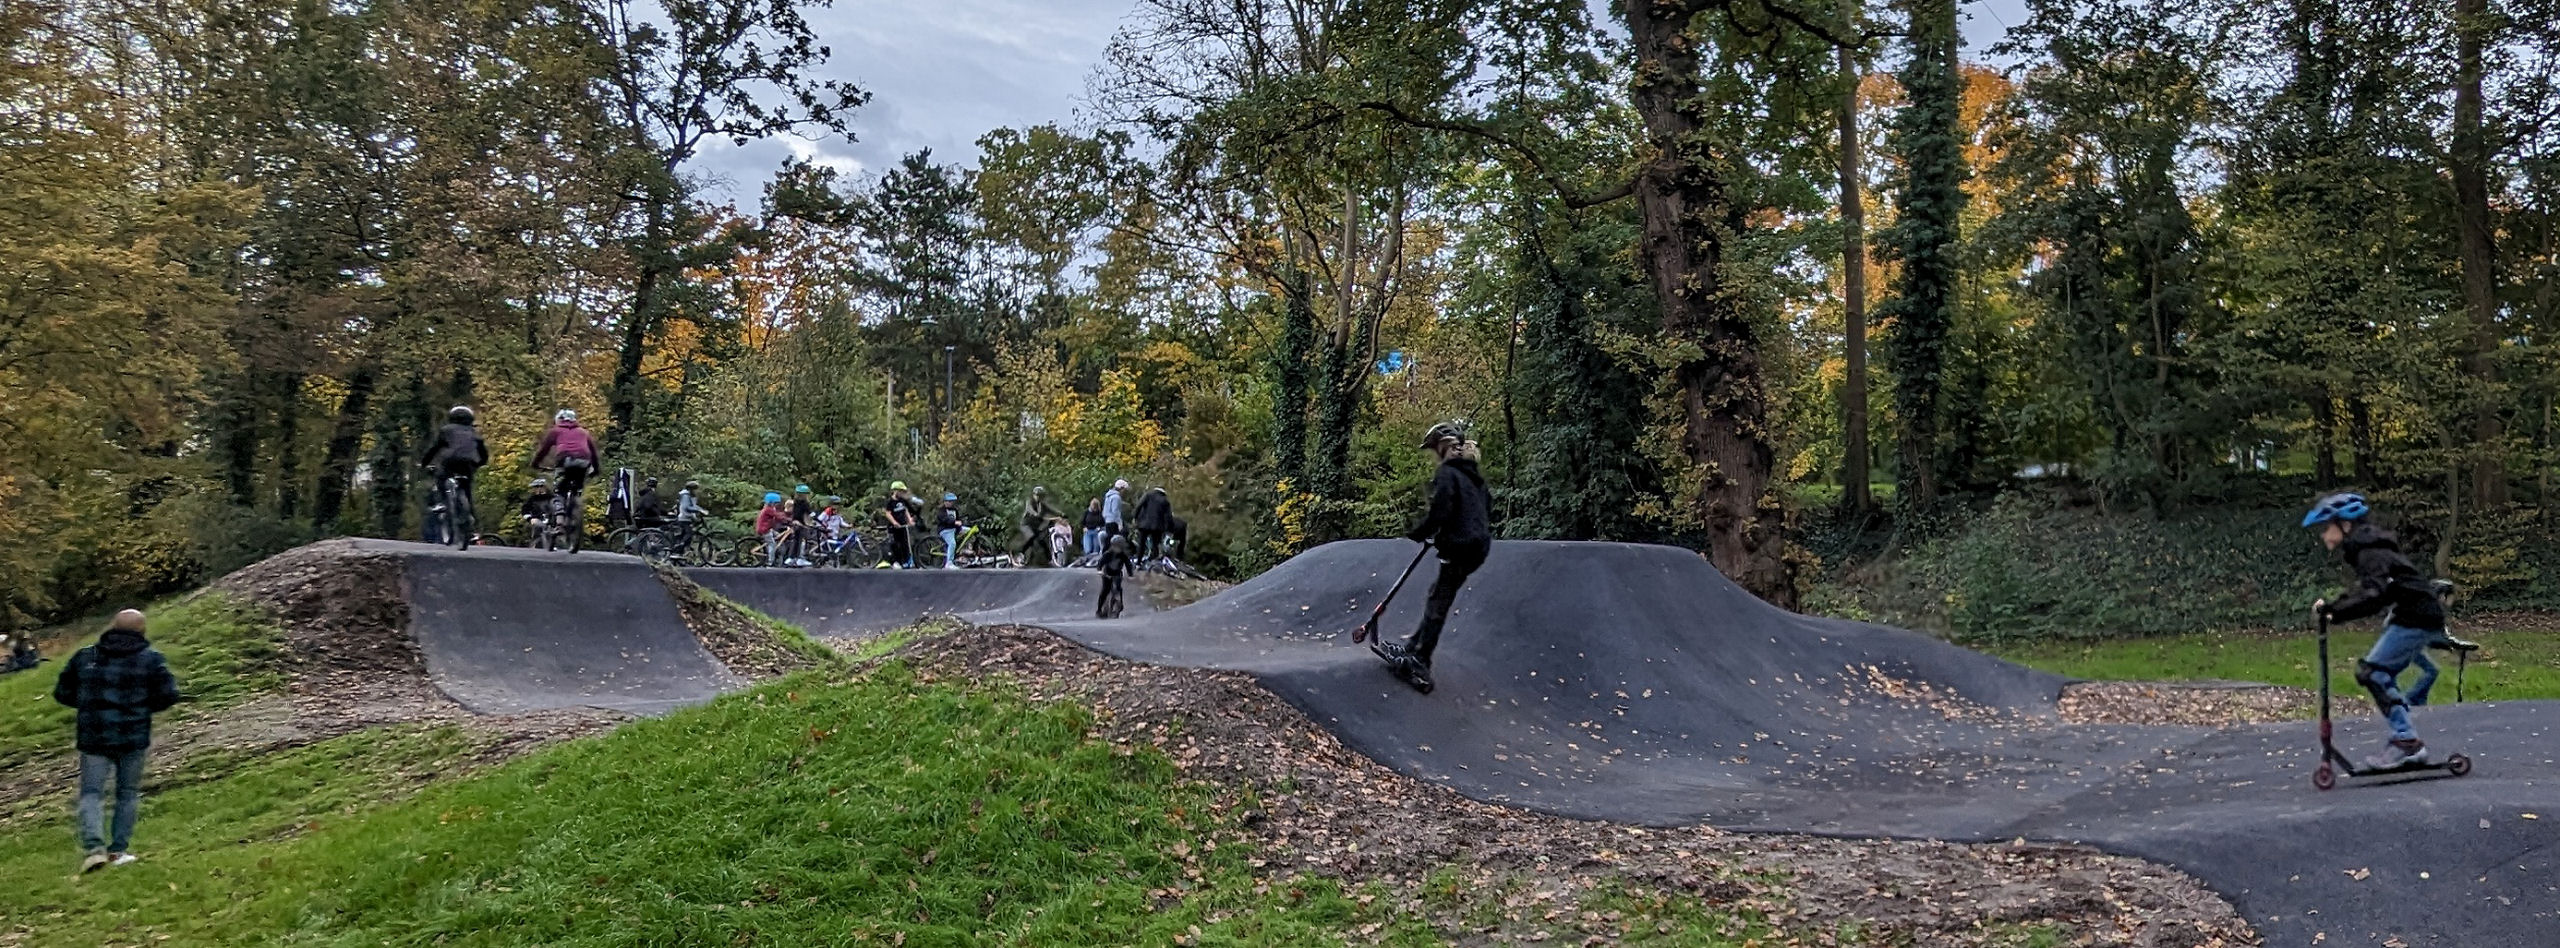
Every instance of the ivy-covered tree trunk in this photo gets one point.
(2469, 159)
(1853, 285)
(1289, 363)
(288, 442)
(1337, 409)
(1922, 239)
(396, 440)
(338, 465)
(1689, 215)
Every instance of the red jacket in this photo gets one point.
(564, 440)
(772, 517)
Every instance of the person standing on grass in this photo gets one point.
(116, 686)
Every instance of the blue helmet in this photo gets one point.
(950, 497)
(772, 498)
(2339, 507)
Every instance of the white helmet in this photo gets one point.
(565, 416)
(1119, 485)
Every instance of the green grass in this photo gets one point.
(879, 810)
(222, 650)
(2519, 658)
(814, 810)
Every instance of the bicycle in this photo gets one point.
(564, 528)
(451, 513)
(974, 551)
(847, 551)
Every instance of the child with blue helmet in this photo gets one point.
(2387, 583)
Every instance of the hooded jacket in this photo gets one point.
(1461, 515)
(116, 686)
(564, 440)
(1155, 511)
(458, 449)
(2385, 579)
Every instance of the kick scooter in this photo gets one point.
(2333, 763)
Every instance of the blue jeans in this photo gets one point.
(1093, 541)
(2400, 647)
(94, 770)
(950, 546)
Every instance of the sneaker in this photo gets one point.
(2451, 644)
(2399, 753)
(122, 859)
(93, 862)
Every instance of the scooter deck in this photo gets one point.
(2329, 771)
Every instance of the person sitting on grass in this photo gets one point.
(116, 686)
(2385, 580)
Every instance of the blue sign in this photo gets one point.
(1393, 363)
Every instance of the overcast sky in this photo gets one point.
(943, 72)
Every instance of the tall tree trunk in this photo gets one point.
(2360, 438)
(1923, 239)
(1289, 408)
(395, 449)
(2324, 421)
(635, 345)
(1853, 278)
(236, 438)
(288, 445)
(1688, 216)
(338, 466)
(2470, 167)
(1337, 409)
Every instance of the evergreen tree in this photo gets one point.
(1929, 203)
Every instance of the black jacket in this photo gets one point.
(116, 685)
(1461, 516)
(1155, 511)
(457, 448)
(1115, 563)
(1093, 518)
(2385, 580)
(645, 505)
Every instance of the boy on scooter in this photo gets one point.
(2385, 580)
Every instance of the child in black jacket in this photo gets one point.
(2385, 581)
(1115, 566)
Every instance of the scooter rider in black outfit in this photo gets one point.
(1460, 524)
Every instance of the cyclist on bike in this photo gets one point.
(772, 524)
(646, 510)
(899, 515)
(689, 503)
(947, 524)
(832, 525)
(569, 448)
(537, 505)
(457, 452)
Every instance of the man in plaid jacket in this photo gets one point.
(116, 685)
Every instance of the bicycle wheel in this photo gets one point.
(748, 551)
(651, 545)
(621, 540)
(976, 552)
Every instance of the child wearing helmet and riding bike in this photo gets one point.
(2388, 584)
(457, 453)
(773, 525)
(569, 448)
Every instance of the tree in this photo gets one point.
(1922, 241)
(1853, 281)
(680, 73)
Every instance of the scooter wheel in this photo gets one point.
(2457, 765)
(2327, 777)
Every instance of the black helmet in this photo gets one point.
(460, 415)
(1444, 431)
(693, 485)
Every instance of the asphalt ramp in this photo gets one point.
(1636, 684)
(851, 603)
(507, 631)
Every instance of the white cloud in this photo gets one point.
(940, 74)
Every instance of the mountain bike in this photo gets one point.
(451, 513)
(847, 551)
(975, 551)
(565, 528)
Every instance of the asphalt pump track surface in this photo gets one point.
(506, 631)
(851, 603)
(1636, 684)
